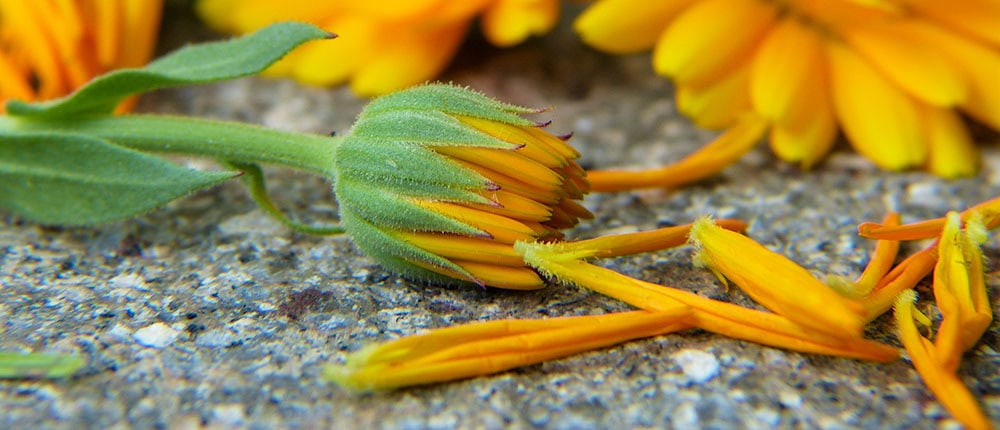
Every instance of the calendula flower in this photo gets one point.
(385, 45)
(438, 182)
(894, 76)
(49, 48)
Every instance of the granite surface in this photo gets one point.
(208, 313)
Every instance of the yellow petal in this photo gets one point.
(775, 281)
(976, 61)
(787, 72)
(709, 37)
(719, 104)
(948, 389)
(506, 277)
(719, 317)
(953, 154)
(977, 18)
(456, 247)
(921, 71)
(626, 26)
(959, 290)
(865, 102)
(707, 161)
(812, 134)
(407, 57)
(509, 22)
(499, 227)
(142, 26)
(335, 62)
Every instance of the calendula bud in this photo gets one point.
(437, 182)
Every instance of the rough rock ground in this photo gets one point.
(206, 312)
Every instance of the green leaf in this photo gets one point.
(75, 180)
(195, 64)
(37, 365)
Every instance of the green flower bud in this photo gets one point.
(437, 182)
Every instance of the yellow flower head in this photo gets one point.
(384, 45)
(49, 48)
(894, 76)
(437, 183)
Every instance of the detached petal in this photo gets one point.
(960, 293)
(775, 281)
(626, 26)
(709, 160)
(866, 103)
(948, 389)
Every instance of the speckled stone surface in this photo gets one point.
(208, 313)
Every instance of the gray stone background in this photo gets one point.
(208, 313)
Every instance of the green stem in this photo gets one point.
(228, 141)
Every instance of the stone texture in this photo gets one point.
(259, 310)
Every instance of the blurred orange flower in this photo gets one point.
(48, 48)
(383, 46)
(894, 76)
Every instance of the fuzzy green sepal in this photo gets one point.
(451, 99)
(393, 252)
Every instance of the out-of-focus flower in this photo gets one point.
(437, 183)
(385, 45)
(49, 48)
(895, 76)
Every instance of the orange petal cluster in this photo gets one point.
(49, 48)
(385, 45)
(894, 77)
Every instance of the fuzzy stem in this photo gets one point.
(228, 141)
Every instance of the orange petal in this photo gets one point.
(903, 277)
(484, 348)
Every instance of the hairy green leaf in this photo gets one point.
(76, 180)
(194, 64)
